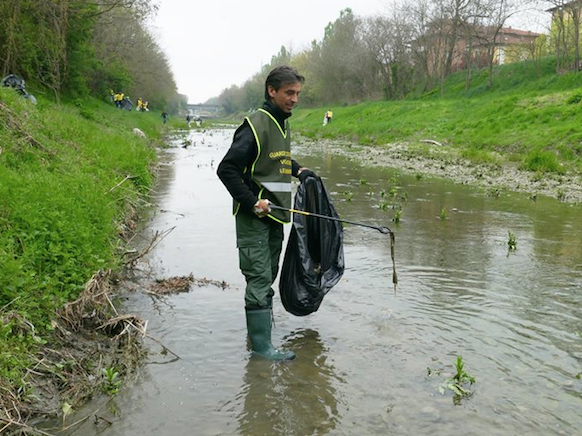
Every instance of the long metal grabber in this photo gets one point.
(381, 229)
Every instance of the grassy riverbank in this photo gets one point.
(69, 175)
(531, 116)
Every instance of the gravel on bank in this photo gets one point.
(442, 161)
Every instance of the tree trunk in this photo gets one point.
(11, 48)
(576, 28)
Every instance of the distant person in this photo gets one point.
(198, 121)
(325, 118)
(146, 106)
(329, 115)
(139, 104)
(126, 103)
(256, 177)
(164, 116)
(188, 120)
(117, 99)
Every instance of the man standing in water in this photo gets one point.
(257, 172)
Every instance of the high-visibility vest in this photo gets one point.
(271, 169)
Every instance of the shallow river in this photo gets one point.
(372, 359)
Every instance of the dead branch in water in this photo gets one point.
(121, 324)
(92, 302)
(10, 422)
(124, 323)
(158, 237)
(176, 285)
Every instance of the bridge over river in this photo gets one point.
(204, 110)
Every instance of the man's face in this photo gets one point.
(286, 97)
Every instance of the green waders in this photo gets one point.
(259, 241)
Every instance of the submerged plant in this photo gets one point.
(430, 371)
(494, 192)
(457, 381)
(383, 205)
(111, 382)
(443, 215)
(348, 195)
(512, 241)
(397, 214)
(363, 182)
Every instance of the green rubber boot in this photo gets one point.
(259, 328)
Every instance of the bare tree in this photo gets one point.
(492, 17)
(426, 40)
(439, 25)
(345, 71)
(388, 41)
(10, 12)
(559, 32)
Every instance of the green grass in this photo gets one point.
(59, 217)
(530, 114)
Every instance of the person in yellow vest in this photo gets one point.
(139, 104)
(118, 99)
(329, 116)
(257, 172)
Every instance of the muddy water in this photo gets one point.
(372, 359)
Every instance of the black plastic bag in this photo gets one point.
(314, 258)
(16, 82)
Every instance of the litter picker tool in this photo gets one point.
(381, 229)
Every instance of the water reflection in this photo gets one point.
(515, 319)
(290, 398)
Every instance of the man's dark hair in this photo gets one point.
(281, 76)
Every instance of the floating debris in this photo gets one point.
(177, 285)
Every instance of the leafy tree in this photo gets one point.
(75, 48)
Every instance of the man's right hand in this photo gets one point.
(262, 208)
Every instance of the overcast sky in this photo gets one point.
(213, 44)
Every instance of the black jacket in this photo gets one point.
(241, 155)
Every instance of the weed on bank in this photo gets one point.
(69, 174)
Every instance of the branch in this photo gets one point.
(431, 141)
(120, 183)
(158, 237)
